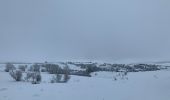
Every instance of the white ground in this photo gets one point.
(139, 86)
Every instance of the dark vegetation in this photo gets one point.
(62, 74)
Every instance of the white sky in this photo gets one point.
(56, 30)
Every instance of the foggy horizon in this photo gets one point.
(90, 30)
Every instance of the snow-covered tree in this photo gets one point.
(9, 67)
(16, 74)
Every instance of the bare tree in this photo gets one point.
(66, 74)
(56, 78)
(16, 74)
(9, 67)
(35, 68)
(22, 67)
(35, 77)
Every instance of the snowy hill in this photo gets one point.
(103, 85)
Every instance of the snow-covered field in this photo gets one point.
(154, 85)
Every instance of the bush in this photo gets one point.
(80, 73)
(66, 74)
(9, 67)
(56, 78)
(35, 77)
(35, 68)
(22, 67)
(53, 68)
(16, 75)
(43, 70)
(61, 78)
(28, 76)
(91, 68)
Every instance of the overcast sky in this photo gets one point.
(57, 30)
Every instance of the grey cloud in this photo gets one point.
(38, 30)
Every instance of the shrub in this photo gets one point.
(56, 78)
(91, 68)
(43, 70)
(61, 78)
(35, 77)
(35, 68)
(22, 67)
(53, 68)
(28, 75)
(9, 67)
(66, 74)
(16, 75)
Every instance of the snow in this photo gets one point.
(74, 67)
(154, 85)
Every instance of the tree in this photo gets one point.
(66, 74)
(22, 67)
(17, 75)
(35, 68)
(9, 67)
(35, 77)
(56, 78)
(53, 68)
(91, 68)
(61, 78)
